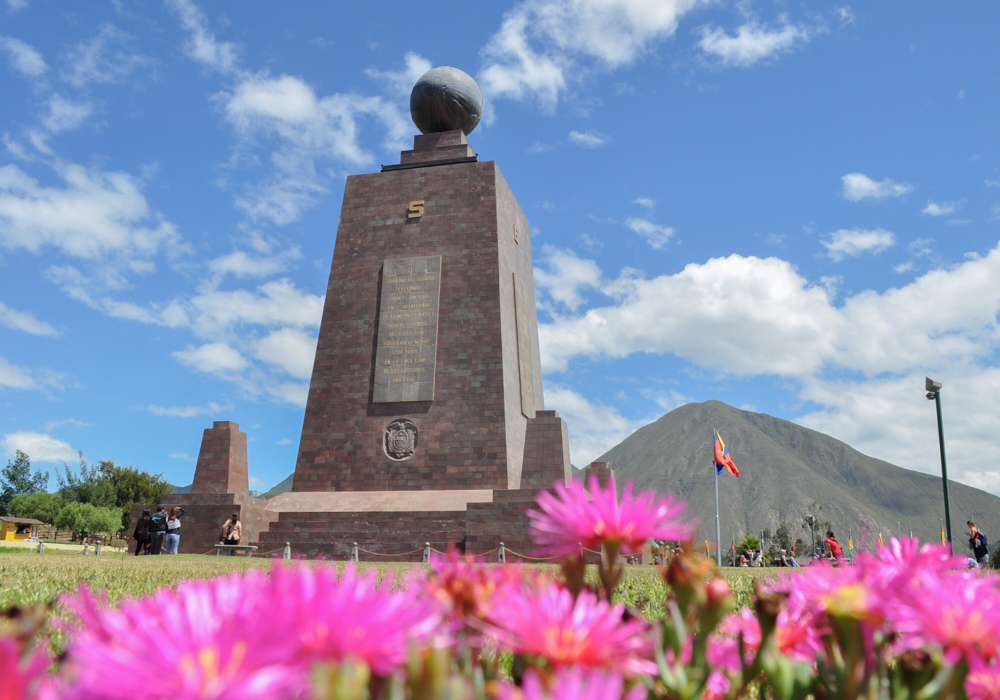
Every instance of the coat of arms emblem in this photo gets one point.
(400, 441)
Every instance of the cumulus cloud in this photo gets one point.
(588, 139)
(594, 427)
(39, 447)
(240, 263)
(91, 215)
(24, 321)
(748, 315)
(211, 408)
(290, 349)
(212, 358)
(858, 186)
(23, 57)
(753, 41)
(854, 242)
(942, 209)
(647, 202)
(400, 83)
(657, 236)
(565, 276)
(543, 44)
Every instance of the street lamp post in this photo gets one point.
(934, 394)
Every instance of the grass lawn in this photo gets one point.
(27, 579)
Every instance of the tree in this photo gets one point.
(84, 518)
(40, 506)
(107, 485)
(16, 479)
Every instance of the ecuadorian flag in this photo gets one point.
(722, 458)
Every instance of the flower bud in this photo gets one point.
(718, 595)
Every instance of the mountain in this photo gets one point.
(786, 472)
(283, 487)
(180, 489)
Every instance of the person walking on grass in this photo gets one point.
(157, 529)
(141, 533)
(174, 529)
(232, 531)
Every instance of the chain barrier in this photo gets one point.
(398, 554)
(590, 550)
(264, 554)
(525, 556)
(467, 554)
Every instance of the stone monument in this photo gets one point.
(425, 420)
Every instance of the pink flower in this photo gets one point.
(548, 623)
(465, 586)
(21, 680)
(983, 681)
(958, 612)
(223, 638)
(573, 684)
(249, 636)
(723, 645)
(354, 617)
(570, 517)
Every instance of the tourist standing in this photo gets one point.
(232, 531)
(157, 529)
(977, 543)
(836, 551)
(141, 533)
(174, 529)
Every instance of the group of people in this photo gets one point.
(153, 529)
(977, 543)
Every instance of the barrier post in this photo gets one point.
(427, 552)
(354, 552)
(97, 549)
(287, 553)
(41, 548)
(501, 555)
(581, 549)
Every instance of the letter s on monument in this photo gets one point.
(416, 209)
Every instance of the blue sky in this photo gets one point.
(793, 208)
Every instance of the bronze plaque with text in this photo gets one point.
(407, 330)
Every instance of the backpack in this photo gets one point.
(982, 541)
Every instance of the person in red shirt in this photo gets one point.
(834, 546)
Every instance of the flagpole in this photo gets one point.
(718, 526)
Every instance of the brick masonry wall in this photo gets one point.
(546, 452)
(222, 460)
(472, 434)
(330, 535)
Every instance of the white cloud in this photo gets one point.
(17, 5)
(647, 202)
(190, 411)
(594, 428)
(308, 128)
(566, 275)
(23, 58)
(64, 115)
(858, 186)
(39, 447)
(942, 209)
(180, 455)
(855, 241)
(212, 358)
(657, 236)
(242, 264)
(95, 61)
(400, 83)
(15, 377)
(542, 45)
(588, 139)
(284, 441)
(290, 349)
(202, 46)
(753, 42)
(53, 424)
(279, 303)
(24, 321)
(845, 14)
(748, 316)
(92, 215)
